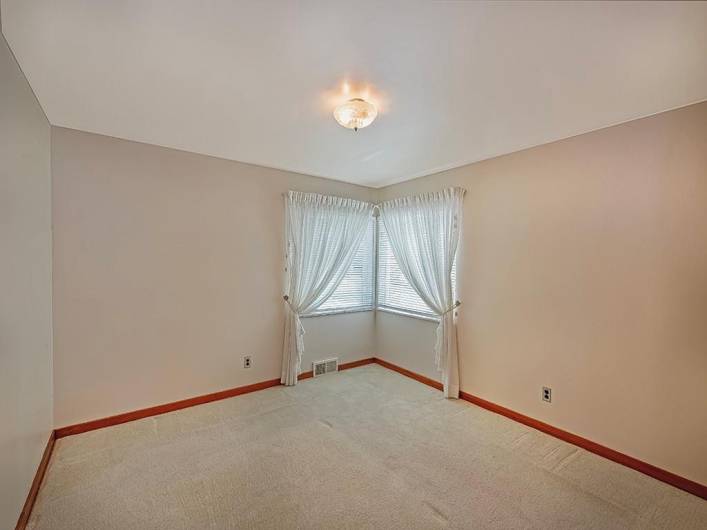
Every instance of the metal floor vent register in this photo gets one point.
(325, 367)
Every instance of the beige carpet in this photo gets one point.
(365, 448)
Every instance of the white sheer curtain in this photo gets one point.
(424, 233)
(323, 234)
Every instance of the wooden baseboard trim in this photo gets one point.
(408, 373)
(634, 463)
(184, 403)
(682, 483)
(36, 483)
(162, 409)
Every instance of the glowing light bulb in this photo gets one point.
(355, 114)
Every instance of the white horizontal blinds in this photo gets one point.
(355, 292)
(394, 291)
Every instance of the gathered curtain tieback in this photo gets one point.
(456, 304)
(287, 301)
(300, 327)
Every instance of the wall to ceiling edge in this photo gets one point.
(583, 268)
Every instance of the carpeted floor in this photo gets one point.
(364, 448)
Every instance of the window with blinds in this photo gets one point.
(355, 292)
(394, 291)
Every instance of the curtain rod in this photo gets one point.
(374, 204)
(377, 204)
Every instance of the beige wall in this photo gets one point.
(584, 268)
(407, 342)
(25, 287)
(348, 336)
(167, 270)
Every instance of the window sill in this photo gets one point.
(402, 312)
(337, 312)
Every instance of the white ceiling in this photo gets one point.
(257, 81)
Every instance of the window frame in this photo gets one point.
(376, 304)
(407, 313)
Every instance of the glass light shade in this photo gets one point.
(355, 114)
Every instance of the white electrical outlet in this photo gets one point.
(247, 361)
(547, 394)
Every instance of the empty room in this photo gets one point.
(338, 265)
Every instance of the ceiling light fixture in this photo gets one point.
(355, 114)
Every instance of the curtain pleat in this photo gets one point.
(424, 233)
(323, 234)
